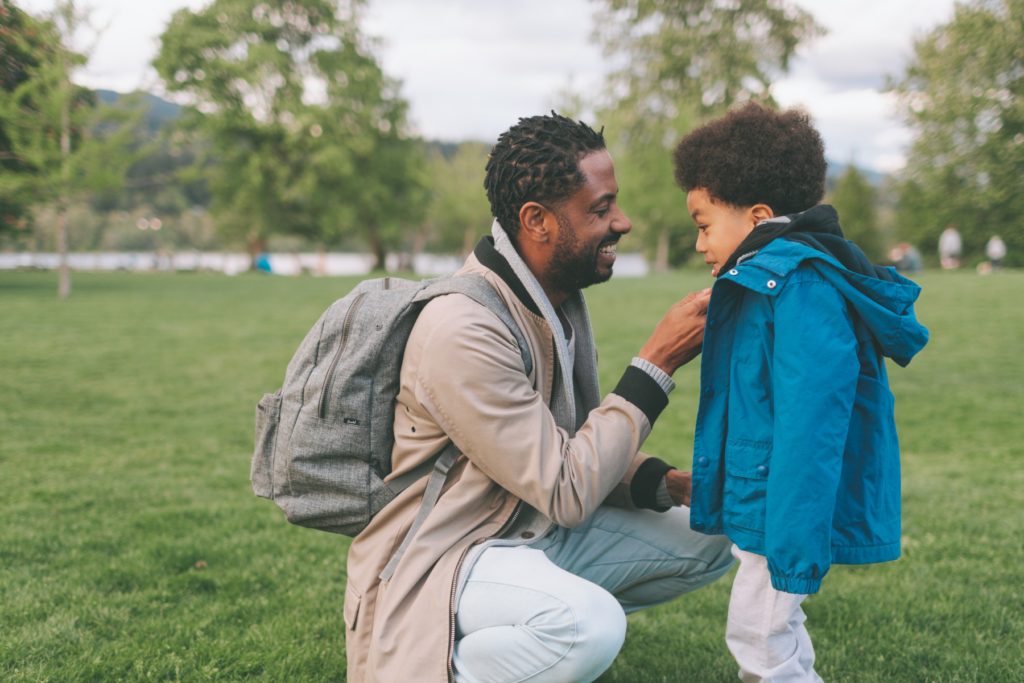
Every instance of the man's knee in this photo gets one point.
(600, 633)
(721, 559)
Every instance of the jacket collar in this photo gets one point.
(489, 257)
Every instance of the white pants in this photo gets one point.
(766, 632)
(555, 611)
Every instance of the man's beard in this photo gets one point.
(573, 265)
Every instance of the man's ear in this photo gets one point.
(761, 212)
(535, 222)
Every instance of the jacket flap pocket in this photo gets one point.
(351, 611)
(748, 459)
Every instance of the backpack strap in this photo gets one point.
(481, 291)
(477, 288)
(442, 463)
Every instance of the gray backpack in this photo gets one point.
(324, 440)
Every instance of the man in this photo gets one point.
(551, 525)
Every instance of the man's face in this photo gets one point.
(720, 227)
(590, 224)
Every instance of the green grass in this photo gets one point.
(132, 549)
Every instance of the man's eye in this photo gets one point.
(702, 227)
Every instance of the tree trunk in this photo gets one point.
(380, 252)
(256, 245)
(468, 241)
(661, 258)
(64, 289)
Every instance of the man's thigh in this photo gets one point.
(642, 557)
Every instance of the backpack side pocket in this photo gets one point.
(268, 416)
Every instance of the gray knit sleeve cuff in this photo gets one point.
(661, 496)
(656, 373)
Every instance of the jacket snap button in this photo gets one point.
(734, 272)
(708, 391)
(762, 470)
(527, 534)
(771, 284)
(697, 527)
(703, 462)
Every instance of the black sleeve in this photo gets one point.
(645, 483)
(640, 389)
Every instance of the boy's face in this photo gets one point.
(721, 227)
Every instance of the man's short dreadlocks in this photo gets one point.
(537, 160)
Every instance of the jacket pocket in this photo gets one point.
(747, 464)
(351, 611)
(268, 416)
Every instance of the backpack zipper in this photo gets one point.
(455, 582)
(334, 363)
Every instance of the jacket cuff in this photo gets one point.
(640, 389)
(643, 488)
(796, 586)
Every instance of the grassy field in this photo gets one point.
(132, 549)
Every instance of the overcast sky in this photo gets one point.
(471, 68)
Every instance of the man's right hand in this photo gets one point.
(678, 338)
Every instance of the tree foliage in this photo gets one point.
(58, 141)
(963, 96)
(459, 210)
(857, 203)
(307, 135)
(24, 43)
(685, 61)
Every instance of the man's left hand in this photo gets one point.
(679, 484)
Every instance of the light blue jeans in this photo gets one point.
(554, 611)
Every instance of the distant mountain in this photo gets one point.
(160, 112)
(836, 169)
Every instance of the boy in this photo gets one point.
(795, 457)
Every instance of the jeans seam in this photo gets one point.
(642, 540)
(575, 621)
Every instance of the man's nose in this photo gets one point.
(702, 245)
(620, 223)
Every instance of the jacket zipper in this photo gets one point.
(455, 582)
(321, 406)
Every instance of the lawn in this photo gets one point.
(132, 548)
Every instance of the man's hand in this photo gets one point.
(678, 338)
(679, 486)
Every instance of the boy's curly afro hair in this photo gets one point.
(755, 155)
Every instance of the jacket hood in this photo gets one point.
(881, 297)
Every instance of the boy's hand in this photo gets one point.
(679, 485)
(678, 338)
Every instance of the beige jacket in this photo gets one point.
(463, 378)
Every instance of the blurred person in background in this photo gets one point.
(906, 258)
(950, 246)
(996, 251)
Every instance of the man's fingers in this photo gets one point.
(701, 305)
(693, 296)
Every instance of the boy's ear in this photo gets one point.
(761, 212)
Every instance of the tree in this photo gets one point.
(459, 210)
(963, 96)
(307, 134)
(23, 44)
(61, 142)
(856, 201)
(686, 61)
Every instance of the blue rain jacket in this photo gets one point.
(796, 456)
